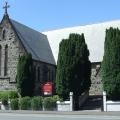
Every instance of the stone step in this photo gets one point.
(94, 96)
(91, 108)
(93, 103)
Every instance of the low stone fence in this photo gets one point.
(60, 106)
(5, 107)
(83, 98)
(110, 105)
(68, 105)
(63, 106)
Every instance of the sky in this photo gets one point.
(45, 15)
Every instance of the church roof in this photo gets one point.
(94, 37)
(35, 42)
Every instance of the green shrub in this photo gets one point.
(36, 102)
(5, 99)
(14, 104)
(13, 94)
(49, 102)
(1, 95)
(25, 75)
(57, 98)
(25, 103)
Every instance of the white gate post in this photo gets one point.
(104, 101)
(71, 101)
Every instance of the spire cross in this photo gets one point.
(5, 7)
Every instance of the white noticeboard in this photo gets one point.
(47, 93)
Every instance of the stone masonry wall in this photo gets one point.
(44, 77)
(96, 79)
(15, 48)
(6, 86)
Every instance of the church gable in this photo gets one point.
(16, 39)
(10, 49)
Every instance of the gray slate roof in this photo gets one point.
(94, 37)
(35, 42)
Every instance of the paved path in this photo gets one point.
(92, 112)
(16, 116)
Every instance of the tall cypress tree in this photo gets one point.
(25, 77)
(111, 64)
(73, 66)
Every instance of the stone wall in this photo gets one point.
(44, 77)
(15, 48)
(63, 106)
(6, 85)
(96, 80)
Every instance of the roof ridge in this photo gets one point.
(27, 26)
(81, 25)
(23, 38)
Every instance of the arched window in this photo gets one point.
(39, 71)
(4, 34)
(0, 59)
(44, 71)
(48, 75)
(52, 76)
(6, 60)
(35, 73)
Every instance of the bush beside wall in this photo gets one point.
(49, 102)
(5, 99)
(36, 102)
(25, 103)
(14, 104)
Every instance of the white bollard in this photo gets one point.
(71, 101)
(104, 101)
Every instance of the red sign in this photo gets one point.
(47, 88)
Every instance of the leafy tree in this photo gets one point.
(25, 77)
(111, 64)
(73, 66)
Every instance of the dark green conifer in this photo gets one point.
(73, 66)
(25, 78)
(111, 64)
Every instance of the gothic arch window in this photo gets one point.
(52, 76)
(35, 74)
(48, 75)
(44, 71)
(39, 75)
(0, 58)
(6, 60)
(4, 34)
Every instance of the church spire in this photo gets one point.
(5, 7)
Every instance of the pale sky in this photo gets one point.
(44, 15)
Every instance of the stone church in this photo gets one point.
(16, 39)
